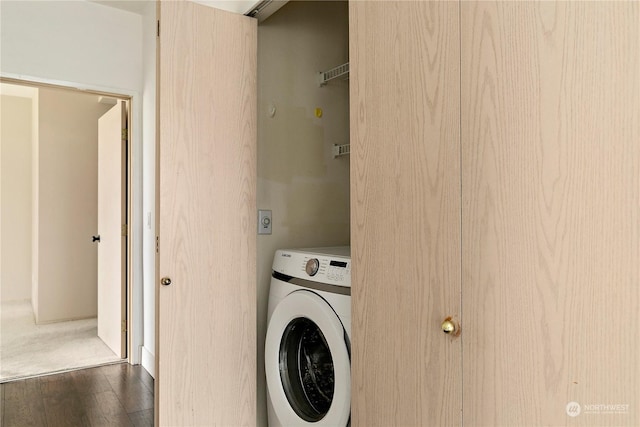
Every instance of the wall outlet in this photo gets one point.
(264, 221)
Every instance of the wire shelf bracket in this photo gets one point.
(326, 76)
(341, 150)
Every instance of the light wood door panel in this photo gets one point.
(405, 212)
(207, 178)
(551, 212)
(112, 215)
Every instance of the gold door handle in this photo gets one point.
(450, 327)
(165, 281)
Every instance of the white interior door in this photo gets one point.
(111, 218)
(206, 348)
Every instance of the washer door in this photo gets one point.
(307, 362)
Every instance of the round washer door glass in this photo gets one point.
(302, 364)
(306, 369)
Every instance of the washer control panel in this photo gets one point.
(338, 270)
(316, 265)
(327, 269)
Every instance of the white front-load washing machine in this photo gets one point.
(308, 343)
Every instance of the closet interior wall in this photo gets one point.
(306, 189)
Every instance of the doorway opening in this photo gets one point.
(66, 273)
(303, 122)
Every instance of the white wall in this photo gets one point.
(15, 197)
(72, 41)
(149, 191)
(298, 179)
(85, 45)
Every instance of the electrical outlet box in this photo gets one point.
(264, 221)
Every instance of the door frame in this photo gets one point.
(133, 269)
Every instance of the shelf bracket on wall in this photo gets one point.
(341, 150)
(325, 76)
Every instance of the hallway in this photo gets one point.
(113, 395)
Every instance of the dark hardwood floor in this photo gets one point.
(113, 395)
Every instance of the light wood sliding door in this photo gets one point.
(405, 212)
(207, 176)
(551, 213)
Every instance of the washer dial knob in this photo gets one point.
(312, 266)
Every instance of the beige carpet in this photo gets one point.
(27, 349)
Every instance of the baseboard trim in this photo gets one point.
(148, 361)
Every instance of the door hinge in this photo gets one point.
(124, 326)
(125, 135)
(158, 29)
(125, 230)
(157, 244)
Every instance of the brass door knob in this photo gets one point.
(165, 281)
(450, 327)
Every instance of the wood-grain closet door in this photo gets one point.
(551, 213)
(405, 212)
(207, 171)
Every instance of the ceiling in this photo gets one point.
(135, 6)
(139, 6)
